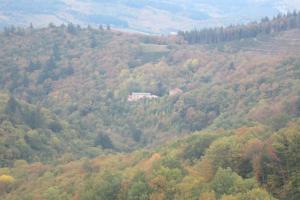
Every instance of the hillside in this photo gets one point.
(86, 76)
(241, 164)
(226, 111)
(266, 26)
(34, 134)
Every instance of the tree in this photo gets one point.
(136, 134)
(207, 196)
(298, 107)
(34, 118)
(54, 193)
(106, 187)
(55, 126)
(139, 189)
(51, 25)
(169, 178)
(225, 152)
(255, 194)
(71, 28)
(161, 89)
(48, 70)
(56, 52)
(104, 141)
(226, 181)
(51, 64)
(32, 66)
(6, 179)
(251, 30)
(108, 27)
(6, 31)
(12, 106)
(282, 163)
(93, 40)
(51, 194)
(198, 145)
(5, 183)
(34, 140)
(189, 188)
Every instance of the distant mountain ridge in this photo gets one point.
(141, 16)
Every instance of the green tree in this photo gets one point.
(104, 141)
(54, 193)
(55, 126)
(105, 187)
(34, 118)
(71, 28)
(12, 106)
(255, 194)
(282, 164)
(197, 146)
(298, 107)
(56, 52)
(32, 66)
(226, 181)
(93, 40)
(139, 189)
(225, 152)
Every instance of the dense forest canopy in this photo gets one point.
(224, 123)
(282, 22)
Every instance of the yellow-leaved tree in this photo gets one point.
(5, 183)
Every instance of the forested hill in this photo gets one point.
(86, 75)
(65, 102)
(265, 26)
(251, 162)
(35, 134)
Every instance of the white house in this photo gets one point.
(135, 96)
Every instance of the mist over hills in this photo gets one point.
(140, 15)
(94, 113)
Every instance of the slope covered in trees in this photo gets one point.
(85, 76)
(265, 26)
(64, 104)
(251, 162)
(34, 134)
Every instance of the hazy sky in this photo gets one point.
(282, 5)
(292, 4)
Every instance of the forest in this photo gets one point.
(281, 22)
(225, 124)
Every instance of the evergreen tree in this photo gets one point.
(71, 28)
(108, 27)
(230, 33)
(104, 141)
(93, 41)
(56, 52)
(11, 106)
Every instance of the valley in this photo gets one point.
(98, 113)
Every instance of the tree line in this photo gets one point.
(70, 27)
(281, 22)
